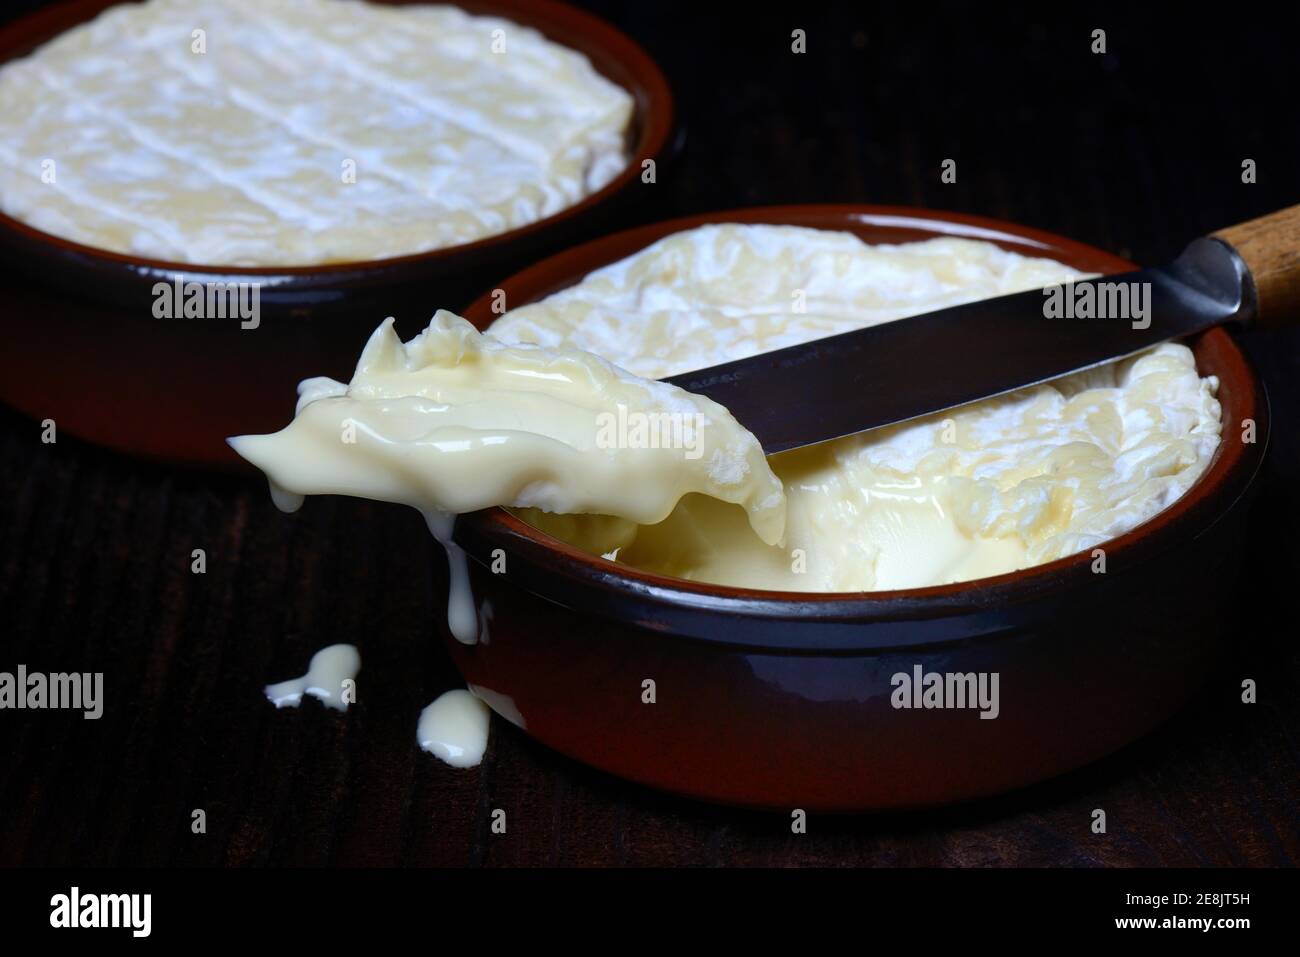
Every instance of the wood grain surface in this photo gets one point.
(1136, 150)
(1270, 247)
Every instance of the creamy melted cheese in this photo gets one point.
(454, 421)
(991, 487)
(302, 132)
(327, 679)
(454, 728)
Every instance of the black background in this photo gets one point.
(1136, 151)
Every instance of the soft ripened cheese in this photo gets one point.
(991, 487)
(718, 293)
(454, 421)
(297, 132)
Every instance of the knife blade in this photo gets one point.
(888, 373)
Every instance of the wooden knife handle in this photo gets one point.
(1270, 247)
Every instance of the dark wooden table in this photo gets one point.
(1135, 150)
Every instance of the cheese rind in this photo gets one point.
(991, 487)
(299, 132)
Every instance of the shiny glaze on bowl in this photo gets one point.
(83, 348)
(782, 700)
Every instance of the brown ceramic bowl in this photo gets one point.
(782, 700)
(83, 348)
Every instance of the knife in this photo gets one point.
(895, 371)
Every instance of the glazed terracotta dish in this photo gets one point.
(154, 386)
(783, 699)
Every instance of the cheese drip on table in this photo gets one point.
(991, 487)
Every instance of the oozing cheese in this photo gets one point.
(296, 132)
(985, 489)
(454, 421)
